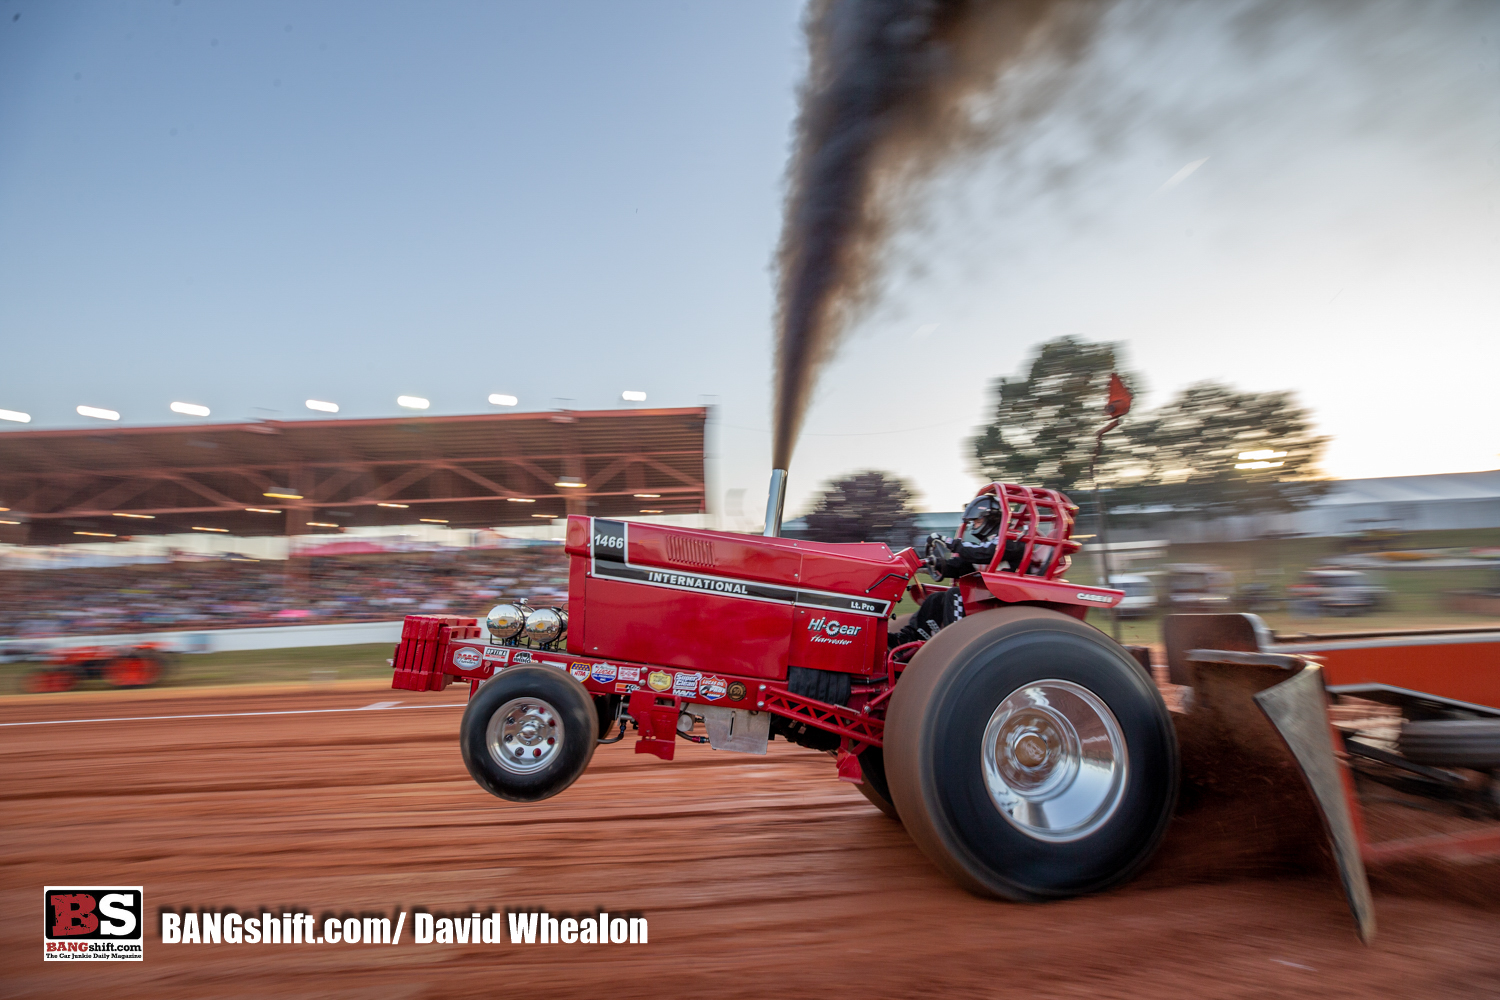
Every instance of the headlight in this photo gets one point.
(505, 621)
(546, 624)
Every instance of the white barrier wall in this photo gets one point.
(230, 639)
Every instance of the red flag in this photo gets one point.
(1118, 403)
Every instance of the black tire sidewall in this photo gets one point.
(580, 732)
(1002, 859)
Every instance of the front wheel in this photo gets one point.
(528, 733)
(1029, 756)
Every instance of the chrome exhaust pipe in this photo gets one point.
(775, 503)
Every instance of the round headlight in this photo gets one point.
(546, 625)
(505, 621)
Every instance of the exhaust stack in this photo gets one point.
(775, 502)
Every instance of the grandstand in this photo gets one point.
(320, 476)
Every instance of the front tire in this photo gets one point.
(1029, 757)
(528, 733)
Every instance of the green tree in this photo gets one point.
(864, 507)
(1213, 450)
(1042, 430)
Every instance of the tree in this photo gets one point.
(1186, 455)
(864, 507)
(1042, 432)
(1214, 451)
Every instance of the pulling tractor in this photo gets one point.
(1029, 755)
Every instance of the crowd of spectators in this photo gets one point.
(230, 593)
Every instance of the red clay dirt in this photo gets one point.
(760, 877)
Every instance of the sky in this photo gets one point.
(245, 206)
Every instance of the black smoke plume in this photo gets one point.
(887, 99)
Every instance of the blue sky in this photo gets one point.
(247, 205)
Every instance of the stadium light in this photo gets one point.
(262, 510)
(432, 520)
(190, 409)
(632, 396)
(412, 402)
(96, 534)
(16, 415)
(501, 399)
(571, 483)
(97, 412)
(519, 500)
(322, 407)
(398, 506)
(10, 522)
(550, 517)
(222, 531)
(646, 496)
(320, 524)
(283, 495)
(644, 511)
(143, 517)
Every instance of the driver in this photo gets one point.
(975, 548)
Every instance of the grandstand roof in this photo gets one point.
(465, 471)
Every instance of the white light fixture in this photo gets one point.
(10, 522)
(412, 402)
(283, 495)
(95, 534)
(143, 517)
(571, 483)
(519, 500)
(262, 510)
(190, 409)
(549, 517)
(222, 531)
(432, 520)
(322, 407)
(398, 506)
(101, 414)
(646, 496)
(501, 399)
(320, 524)
(632, 396)
(16, 415)
(644, 511)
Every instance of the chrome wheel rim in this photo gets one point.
(1054, 760)
(524, 735)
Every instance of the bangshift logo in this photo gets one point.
(93, 924)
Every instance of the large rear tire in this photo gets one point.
(528, 733)
(875, 788)
(1029, 757)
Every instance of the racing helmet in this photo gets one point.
(983, 517)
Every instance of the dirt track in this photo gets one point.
(760, 877)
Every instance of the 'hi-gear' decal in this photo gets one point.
(609, 546)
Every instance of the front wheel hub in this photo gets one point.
(524, 735)
(1054, 760)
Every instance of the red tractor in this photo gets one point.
(1028, 754)
(141, 665)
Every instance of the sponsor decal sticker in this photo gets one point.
(604, 673)
(467, 657)
(625, 687)
(580, 670)
(93, 923)
(713, 688)
(522, 656)
(685, 685)
(737, 691)
(658, 680)
(832, 631)
(499, 653)
(630, 674)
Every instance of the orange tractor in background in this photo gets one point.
(135, 666)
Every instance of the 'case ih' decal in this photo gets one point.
(609, 549)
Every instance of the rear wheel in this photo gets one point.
(133, 671)
(1029, 756)
(528, 733)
